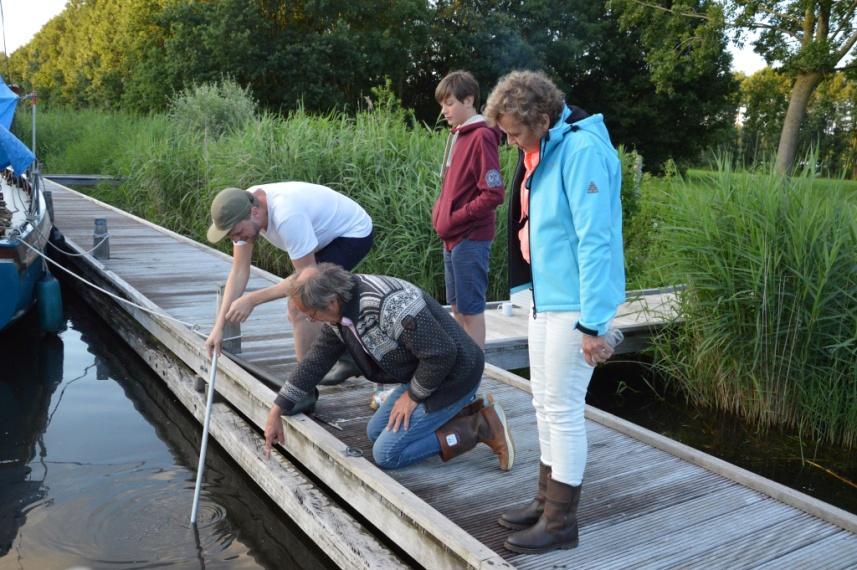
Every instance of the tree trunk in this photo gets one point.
(804, 85)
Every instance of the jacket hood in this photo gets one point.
(574, 119)
(479, 123)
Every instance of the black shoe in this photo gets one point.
(344, 369)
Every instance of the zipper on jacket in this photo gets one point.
(528, 184)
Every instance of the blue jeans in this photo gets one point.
(392, 450)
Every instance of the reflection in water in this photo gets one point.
(31, 371)
(97, 466)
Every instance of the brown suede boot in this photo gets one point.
(481, 401)
(528, 515)
(556, 528)
(488, 426)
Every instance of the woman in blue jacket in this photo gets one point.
(565, 245)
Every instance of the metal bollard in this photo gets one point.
(49, 203)
(101, 240)
(230, 329)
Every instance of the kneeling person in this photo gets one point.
(397, 334)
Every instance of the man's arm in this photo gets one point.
(424, 337)
(241, 308)
(236, 282)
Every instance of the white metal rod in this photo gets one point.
(201, 467)
(33, 101)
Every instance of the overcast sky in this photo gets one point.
(23, 18)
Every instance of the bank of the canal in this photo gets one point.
(97, 465)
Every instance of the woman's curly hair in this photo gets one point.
(526, 96)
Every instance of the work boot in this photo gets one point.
(528, 515)
(481, 401)
(344, 369)
(556, 528)
(488, 426)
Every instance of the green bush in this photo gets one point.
(212, 109)
(768, 322)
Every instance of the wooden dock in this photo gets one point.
(647, 502)
(506, 336)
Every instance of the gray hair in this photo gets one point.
(316, 289)
(525, 96)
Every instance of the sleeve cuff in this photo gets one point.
(586, 330)
(285, 404)
(413, 396)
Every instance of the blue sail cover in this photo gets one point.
(13, 152)
(8, 102)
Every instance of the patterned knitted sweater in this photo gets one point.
(403, 336)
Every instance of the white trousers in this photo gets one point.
(559, 377)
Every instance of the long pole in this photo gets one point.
(200, 468)
(33, 101)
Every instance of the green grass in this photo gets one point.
(768, 323)
(710, 176)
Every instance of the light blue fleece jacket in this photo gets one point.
(575, 223)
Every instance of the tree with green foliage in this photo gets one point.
(829, 130)
(599, 66)
(812, 39)
(136, 54)
(764, 102)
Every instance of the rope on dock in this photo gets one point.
(192, 326)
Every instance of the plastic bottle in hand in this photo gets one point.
(613, 337)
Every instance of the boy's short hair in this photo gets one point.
(460, 84)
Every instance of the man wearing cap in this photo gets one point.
(311, 223)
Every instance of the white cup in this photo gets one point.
(505, 308)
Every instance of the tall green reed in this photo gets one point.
(768, 322)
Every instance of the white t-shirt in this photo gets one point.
(303, 218)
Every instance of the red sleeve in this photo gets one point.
(486, 167)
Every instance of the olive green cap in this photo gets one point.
(230, 206)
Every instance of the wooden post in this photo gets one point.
(101, 240)
(232, 345)
(231, 330)
(49, 203)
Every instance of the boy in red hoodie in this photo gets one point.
(471, 190)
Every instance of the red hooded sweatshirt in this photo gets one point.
(472, 187)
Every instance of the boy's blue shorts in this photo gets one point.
(466, 275)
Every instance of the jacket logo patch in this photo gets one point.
(493, 179)
(593, 189)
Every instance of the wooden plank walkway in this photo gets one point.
(506, 336)
(647, 502)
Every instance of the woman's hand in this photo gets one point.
(595, 349)
(401, 413)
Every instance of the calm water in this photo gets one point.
(98, 463)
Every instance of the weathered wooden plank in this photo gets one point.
(765, 544)
(775, 490)
(835, 552)
(624, 541)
